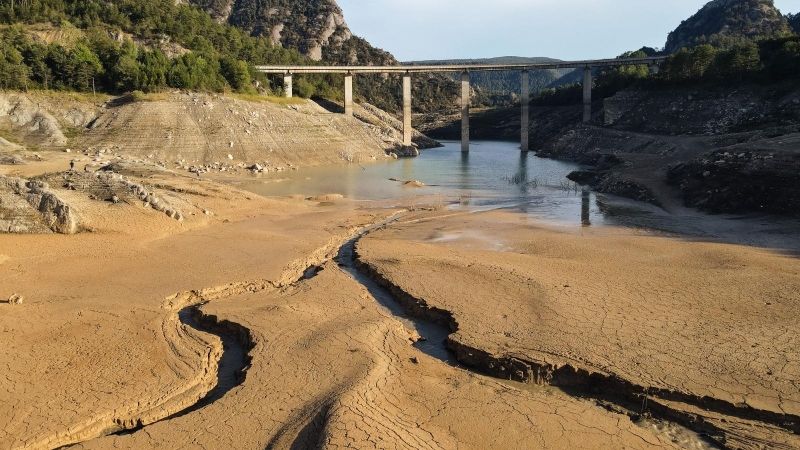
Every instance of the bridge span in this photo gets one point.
(408, 70)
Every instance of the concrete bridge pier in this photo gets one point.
(525, 99)
(465, 111)
(654, 68)
(287, 84)
(587, 94)
(407, 109)
(348, 94)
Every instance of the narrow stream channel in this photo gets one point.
(436, 335)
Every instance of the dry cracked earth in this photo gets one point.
(99, 355)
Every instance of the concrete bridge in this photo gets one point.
(408, 71)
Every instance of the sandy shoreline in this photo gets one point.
(98, 345)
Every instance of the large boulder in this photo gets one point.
(30, 207)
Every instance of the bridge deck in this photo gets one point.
(460, 68)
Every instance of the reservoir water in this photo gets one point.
(492, 175)
(498, 175)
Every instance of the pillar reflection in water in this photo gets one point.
(522, 175)
(585, 201)
(408, 169)
(463, 173)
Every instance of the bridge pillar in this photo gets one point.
(465, 111)
(525, 99)
(287, 85)
(407, 109)
(587, 94)
(348, 94)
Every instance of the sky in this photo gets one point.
(563, 29)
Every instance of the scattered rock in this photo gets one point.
(15, 299)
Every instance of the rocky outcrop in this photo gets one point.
(30, 207)
(587, 144)
(8, 159)
(35, 124)
(723, 21)
(736, 180)
(619, 104)
(392, 127)
(609, 182)
(8, 146)
(309, 26)
(405, 151)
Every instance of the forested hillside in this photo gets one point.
(128, 45)
(124, 45)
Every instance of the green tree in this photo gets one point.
(702, 60)
(85, 66)
(153, 67)
(237, 73)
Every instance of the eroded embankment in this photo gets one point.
(701, 414)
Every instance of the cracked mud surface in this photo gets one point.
(709, 330)
(330, 370)
(98, 345)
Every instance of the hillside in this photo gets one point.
(725, 23)
(187, 131)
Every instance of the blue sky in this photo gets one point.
(564, 29)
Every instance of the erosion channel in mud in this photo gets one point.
(435, 325)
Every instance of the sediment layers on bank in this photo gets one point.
(182, 130)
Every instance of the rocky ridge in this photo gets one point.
(721, 19)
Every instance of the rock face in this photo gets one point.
(29, 207)
(738, 179)
(589, 145)
(37, 125)
(616, 106)
(722, 21)
(314, 27)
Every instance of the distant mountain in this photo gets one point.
(725, 23)
(794, 22)
(508, 81)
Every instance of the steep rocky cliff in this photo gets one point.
(314, 27)
(726, 22)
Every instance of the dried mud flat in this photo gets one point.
(101, 355)
(702, 333)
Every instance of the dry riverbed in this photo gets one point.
(700, 332)
(100, 353)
